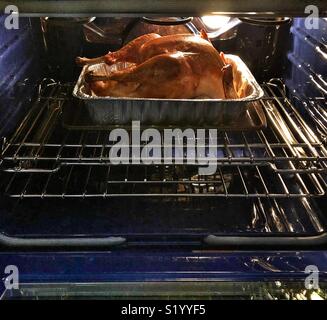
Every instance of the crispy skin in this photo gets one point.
(171, 67)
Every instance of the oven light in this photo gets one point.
(215, 22)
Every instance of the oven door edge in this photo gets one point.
(153, 273)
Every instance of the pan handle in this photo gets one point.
(60, 242)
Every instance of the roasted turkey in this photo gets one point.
(168, 67)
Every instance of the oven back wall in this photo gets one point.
(20, 69)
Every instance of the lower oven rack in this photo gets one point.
(43, 160)
(76, 181)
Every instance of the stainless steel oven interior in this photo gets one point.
(58, 188)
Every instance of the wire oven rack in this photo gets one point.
(43, 160)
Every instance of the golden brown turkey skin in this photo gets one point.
(169, 67)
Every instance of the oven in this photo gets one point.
(73, 224)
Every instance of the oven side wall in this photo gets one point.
(20, 69)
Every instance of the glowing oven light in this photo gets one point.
(215, 22)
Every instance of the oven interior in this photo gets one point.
(56, 182)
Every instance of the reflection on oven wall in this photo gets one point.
(263, 45)
(308, 59)
(63, 41)
(20, 69)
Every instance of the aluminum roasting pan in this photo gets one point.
(200, 112)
